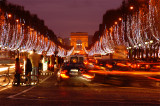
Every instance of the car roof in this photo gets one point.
(76, 56)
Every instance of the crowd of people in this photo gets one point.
(32, 65)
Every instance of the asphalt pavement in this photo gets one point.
(78, 91)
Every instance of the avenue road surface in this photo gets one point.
(80, 91)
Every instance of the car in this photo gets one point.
(74, 68)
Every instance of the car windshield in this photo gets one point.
(77, 59)
(81, 60)
(74, 59)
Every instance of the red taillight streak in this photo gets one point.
(109, 66)
(133, 66)
(63, 74)
(96, 61)
(124, 72)
(157, 66)
(138, 66)
(153, 78)
(148, 63)
(50, 65)
(86, 62)
(97, 67)
(147, 66)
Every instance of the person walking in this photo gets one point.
(18, 71)
(34, 58)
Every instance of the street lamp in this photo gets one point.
(140, 54)
(135, 46)
(146, 43)
(131, 7)
(17, 20)
(151, 41)
(9, 15)
(120, 19)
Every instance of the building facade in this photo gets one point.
(79, 40)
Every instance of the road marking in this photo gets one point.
(12, 96)
(4, 88)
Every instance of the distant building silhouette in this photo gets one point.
(79, 40)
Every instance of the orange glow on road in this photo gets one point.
(88, 76)
(5, 68)
(4, 88)
(64, 76)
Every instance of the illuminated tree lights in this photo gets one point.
(136, 31)
(17, 36)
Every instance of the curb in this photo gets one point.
(46, 73)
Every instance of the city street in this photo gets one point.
(79, 52)
(80, 91)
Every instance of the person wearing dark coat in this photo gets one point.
(28, 66)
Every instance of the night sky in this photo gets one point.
(66, 16)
